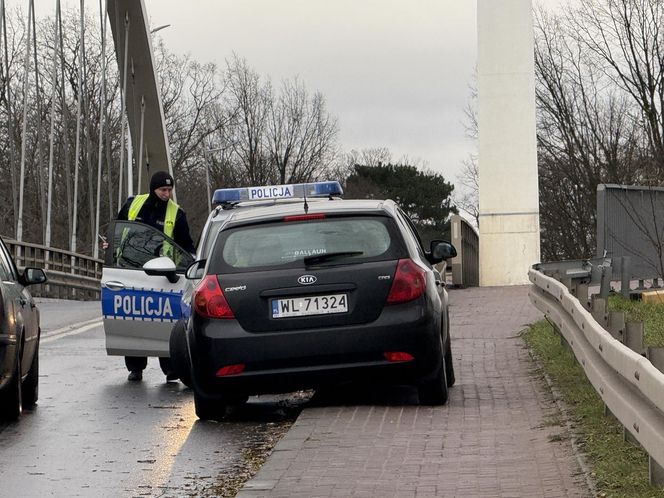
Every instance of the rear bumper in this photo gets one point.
(310, 358)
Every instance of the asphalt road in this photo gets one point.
(95, 434)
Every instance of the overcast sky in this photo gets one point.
(395, 73)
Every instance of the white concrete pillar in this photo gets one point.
(508, 189)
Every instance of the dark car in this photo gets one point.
(304, 294)
(19, 337)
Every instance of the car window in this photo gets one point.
(209, 237)
(276, 244)
(412, 229)
(134, 244)
(7, 270)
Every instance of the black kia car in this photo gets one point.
(301, 294)
(19, 337)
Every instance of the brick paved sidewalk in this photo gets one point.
(492, 439)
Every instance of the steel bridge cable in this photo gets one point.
(65, 125)
(124, 110)
(38, 100)
(77, 152)
(10, 121)
(140, 143)
(26, 86)
(102, 107)
(51, 139)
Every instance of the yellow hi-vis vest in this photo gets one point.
(169, 220)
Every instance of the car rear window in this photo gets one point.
(350, 239)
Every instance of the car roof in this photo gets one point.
(251, 212)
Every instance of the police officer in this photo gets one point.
(157, 209)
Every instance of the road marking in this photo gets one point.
(75, 329)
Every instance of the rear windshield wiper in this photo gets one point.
(331, 256)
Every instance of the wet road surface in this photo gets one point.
(93, 433)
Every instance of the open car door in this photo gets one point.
(141, 288)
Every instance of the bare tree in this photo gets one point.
(468, 197)
(251, 99)
(624, 39)
(588, 133)
(300, 133)
(227, 126)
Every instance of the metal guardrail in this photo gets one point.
(631, 387)
(466, 264)
(70, 275)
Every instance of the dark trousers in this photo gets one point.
(140, 362)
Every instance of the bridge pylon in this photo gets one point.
(508, 186)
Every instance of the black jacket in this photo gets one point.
(153, 213)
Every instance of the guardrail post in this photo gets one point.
(625, 276)
(599, 310)
(617, 325)
(656, 356)
(628, 437)
(655, 471)
(605, 282)
(578, 287)
(582, 294)
(634, 336)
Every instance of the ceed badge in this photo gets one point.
(307, 279)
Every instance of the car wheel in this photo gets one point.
(208, 409)
(30, 388)
(179, 352)
(11, 403)
(449, 366)
(434, 391)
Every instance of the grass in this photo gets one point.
(619, 469)
(651, 314)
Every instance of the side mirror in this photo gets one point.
(196, 270)
(441, 250)
(32, 276)
(162, 266)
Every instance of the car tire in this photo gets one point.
(449, 366)
(11, 403)
(30, 388)
(208, 409)
(434, 391)
(180, 362)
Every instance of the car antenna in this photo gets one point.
(306, 206)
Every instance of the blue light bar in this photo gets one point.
(296, 191)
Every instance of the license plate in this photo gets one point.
(309, 305)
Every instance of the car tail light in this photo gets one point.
(409, 282)
(397, 356)
(305, 217)
(230, 370)
(209, 300)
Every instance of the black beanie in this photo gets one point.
(161, 179)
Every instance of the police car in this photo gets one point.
(141, 289)
(298, 289)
